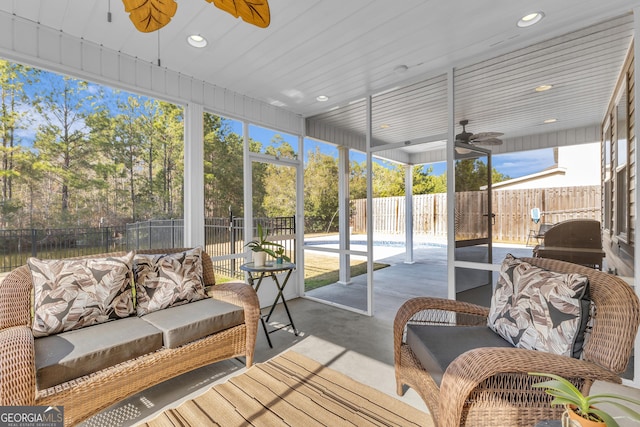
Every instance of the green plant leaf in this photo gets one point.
(566, 393)
(608, 419)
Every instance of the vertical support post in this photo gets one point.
(636, 258)
(248, 189)
(232, 241)
(408, 214)
(343, 215)
(369, 137)
(298, 223)
(34, 239)
(173, 232)
(451, 188)
(193, 176)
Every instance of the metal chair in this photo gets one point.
(538, 234)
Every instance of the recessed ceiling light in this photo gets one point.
(322, 98)
(549, 121)
(530, 19)
(400, 69)
(385, 126)
(196, 40)
(543, 88)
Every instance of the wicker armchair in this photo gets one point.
(490, 386)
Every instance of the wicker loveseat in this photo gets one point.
(20, 352)
(486, 383)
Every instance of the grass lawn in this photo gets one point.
(321, 270)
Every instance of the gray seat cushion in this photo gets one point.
(79, 352)
(188, 322)
(437, 346)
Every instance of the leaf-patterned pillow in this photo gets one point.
(165, 280)
(72, 294)
(541, 309)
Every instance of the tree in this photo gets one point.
(320, 191)
(223, 168)
(169, 132)
(12, 79)
(471, 174)
(12, 96)
(424, 182)
(280, 181)
(61, 139)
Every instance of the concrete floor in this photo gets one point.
(356, 345)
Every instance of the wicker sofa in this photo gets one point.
(20, 352)
(468, 378)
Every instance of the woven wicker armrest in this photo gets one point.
(242, 294)
(238, 293)
(17, 375)
(435, 311)
(469, 370)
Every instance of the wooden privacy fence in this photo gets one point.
(512, 210)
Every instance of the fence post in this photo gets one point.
(34, 238)
(232, 241)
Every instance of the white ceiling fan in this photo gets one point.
(483, 138)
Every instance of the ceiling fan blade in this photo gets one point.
(487, 141)
(150, 15)
(485, 135)
(254, 12)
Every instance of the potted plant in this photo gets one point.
(261, 247)
(280, 256)
(583, 408)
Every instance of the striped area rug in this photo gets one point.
(292, 390)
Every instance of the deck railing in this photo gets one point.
(224, 241)
(18, 245)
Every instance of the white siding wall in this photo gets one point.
(32, 44)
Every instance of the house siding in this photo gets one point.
(619, 247)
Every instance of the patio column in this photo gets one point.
(408, 214)
(451, 193)
(193, 176)
(636, 260)
(343, 215)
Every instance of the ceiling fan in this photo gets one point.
(151, 15)
(483, 138)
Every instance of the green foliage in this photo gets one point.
(263, 245)
(280, 181)
(223, 168)
(565, 393)
(98, 156)
(389, 180)
(424, 182)
(320, 190)
(471, 174)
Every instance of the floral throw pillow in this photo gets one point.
(72, 294)
(537, 309)
(166, 280)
